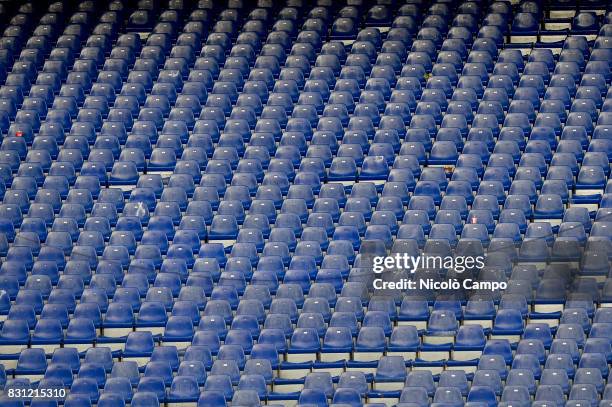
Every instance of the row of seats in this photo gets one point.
(193, 192)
